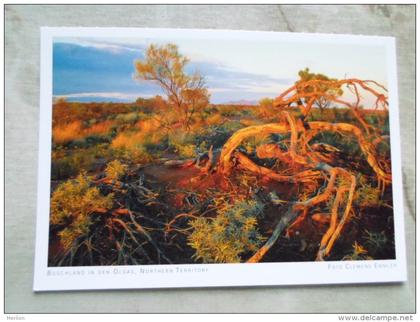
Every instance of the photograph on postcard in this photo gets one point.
(174, 149)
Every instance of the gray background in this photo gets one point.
(22, 110)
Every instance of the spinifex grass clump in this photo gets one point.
(72, 203)
(231, 233)
(115, 170)
(367, 196)
(375, 241)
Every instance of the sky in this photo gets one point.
(102, 69)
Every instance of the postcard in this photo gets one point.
(203, 158)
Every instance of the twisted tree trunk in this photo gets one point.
(226, 156)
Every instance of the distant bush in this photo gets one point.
(134, 155)
(67, 112)
(88, 142)
(67, 132)
(182, 143)
(62, 169)
(92, 140)
(154, 104)
(71, 165)
(75, 133)
(230, 234)
(98, 128)
(266, 108)
(147, 133)
(132, 117)
(229, 110)
(210, 110)
(214, 119)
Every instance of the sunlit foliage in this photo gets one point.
(166, 66)
(230, 234)
(72, 203)
(115, 170)
(367, 196)
(321, 101)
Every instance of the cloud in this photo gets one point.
(105, 46)
(111, 95)
(219, 89)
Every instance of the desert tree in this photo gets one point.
(306, 92)
(325, 90)
(186, 93)
(328, 88)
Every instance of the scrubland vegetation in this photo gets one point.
(301, 177)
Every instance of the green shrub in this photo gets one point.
(231, 233)
(72, 203)
(366, 195)
(375, 241)
(135, 155)
(115, 170)
(182, 143)
(229, 110)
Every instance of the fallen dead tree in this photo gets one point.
(310, 159)
(310, 163)
(305, 94)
